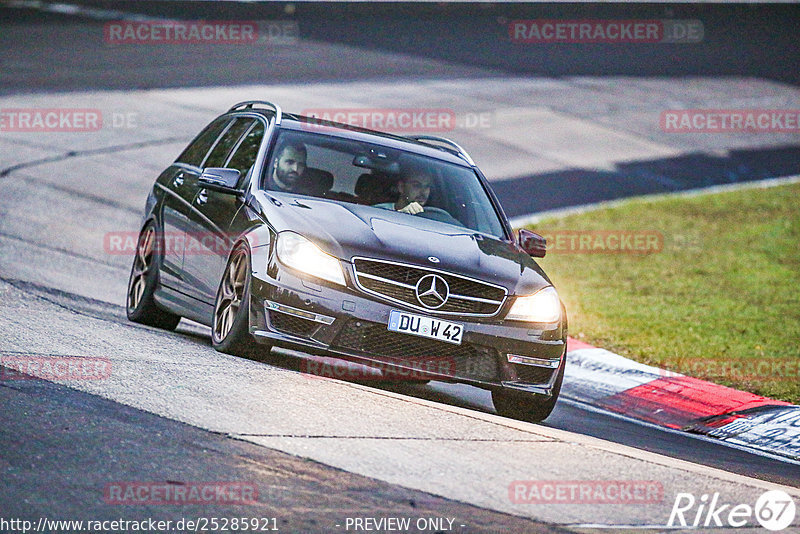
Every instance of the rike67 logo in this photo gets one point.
(774, 510)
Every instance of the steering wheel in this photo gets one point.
(438, 214)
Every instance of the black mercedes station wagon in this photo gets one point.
(276, 229)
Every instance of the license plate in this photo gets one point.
(418, 325)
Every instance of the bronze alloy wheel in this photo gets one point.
(142, 263)
(141, 306)
(231, 323)
(231, 294)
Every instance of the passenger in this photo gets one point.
(288, 167)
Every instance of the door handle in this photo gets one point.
(202, 196)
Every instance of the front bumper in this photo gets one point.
(292, 311)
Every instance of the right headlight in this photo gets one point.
(302, 255)
(541, 307)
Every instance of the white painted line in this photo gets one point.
(82, 11)
(533, 218)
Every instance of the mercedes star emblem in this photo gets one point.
(432, 291)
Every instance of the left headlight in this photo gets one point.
(541, 307)
(300, 254)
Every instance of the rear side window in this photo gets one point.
(245, 155)
(219, 154)
(196, 151)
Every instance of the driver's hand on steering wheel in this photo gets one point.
(413, 208)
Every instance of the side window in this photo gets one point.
(245, 155)
(197, 149)
(228, 140)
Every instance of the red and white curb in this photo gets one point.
(612, 382)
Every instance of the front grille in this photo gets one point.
(290, 324)
(374, 339)
(533, 374)
(398, 282)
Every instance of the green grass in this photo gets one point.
(721, 301)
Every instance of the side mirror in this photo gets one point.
(532, 243)
(220, 179)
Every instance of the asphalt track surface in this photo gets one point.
(72, 444)
(60, 446)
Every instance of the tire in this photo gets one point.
(527, 406)
(140, 306)
(230, 328)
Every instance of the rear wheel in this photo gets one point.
(231, 326)
(140, 305)
(527, 406)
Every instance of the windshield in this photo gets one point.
(345, 170)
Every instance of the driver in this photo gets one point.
(414, 188)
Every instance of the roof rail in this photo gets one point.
(445, 141)
(249, 104)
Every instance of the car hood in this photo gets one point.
(348, 230)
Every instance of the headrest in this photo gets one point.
(375, 188)
(318, 179)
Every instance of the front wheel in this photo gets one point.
(230, 331)
(140, 306)
(527, 406)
